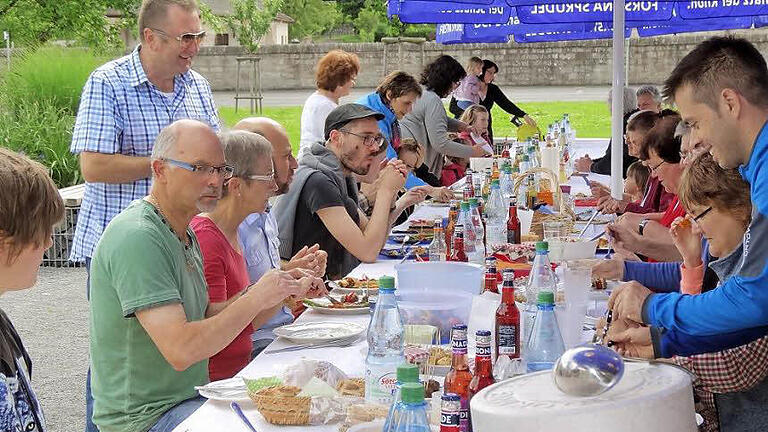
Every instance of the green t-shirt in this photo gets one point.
(140, 264)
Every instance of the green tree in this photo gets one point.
(250, 20)
(313, 17)
(36, 21)
(372, 24)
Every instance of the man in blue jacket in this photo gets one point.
(721, 90)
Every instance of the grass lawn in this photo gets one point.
(590, 119)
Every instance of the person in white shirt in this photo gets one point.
(335, 76)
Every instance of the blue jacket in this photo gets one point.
(741, 302)
(373, 101)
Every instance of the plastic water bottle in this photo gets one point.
(541, 279)
(406, 373)
(470, 235)
(496, 221)
(412, 415)
(546, 344)
(386, 337)
(477, 223)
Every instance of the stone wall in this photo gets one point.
(561, 63)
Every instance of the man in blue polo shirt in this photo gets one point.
(721, 89)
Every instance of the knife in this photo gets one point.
(236, 408)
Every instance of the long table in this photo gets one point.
(218, 416)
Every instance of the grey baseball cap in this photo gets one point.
(344, 114)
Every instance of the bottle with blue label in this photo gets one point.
(458, 378)
(546, 344)
(386, 337)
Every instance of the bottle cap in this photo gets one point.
(546, 297)
(542, 246)
(483, 333)
(495, 183)
(465, 205)
(407, 373)
(473, 202)
(387, 282)
(412, 392)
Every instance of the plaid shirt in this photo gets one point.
(122, 112)
(734, 370)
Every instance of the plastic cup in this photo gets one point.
(554, 230)
(577, 280)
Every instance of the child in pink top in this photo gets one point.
(468, 91)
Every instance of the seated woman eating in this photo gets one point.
(635, 234)
(730, 385)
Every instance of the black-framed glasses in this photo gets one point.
(223, 171)
(653, 169)
(702, 214)
(376, 141)
(184, 39)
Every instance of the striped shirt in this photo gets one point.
(122, 112)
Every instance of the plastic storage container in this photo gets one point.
(439, 277)
(440, 310)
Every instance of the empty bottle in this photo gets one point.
(477, 223)
(438, 248)
(470, 235)
(546, 343)
(496, 221)
(386, 339)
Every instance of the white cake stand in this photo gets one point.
(656, 398)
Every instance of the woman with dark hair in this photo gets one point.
(395, 97)
(428, 123)
(491, 94)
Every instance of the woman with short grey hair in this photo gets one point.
(648, 98)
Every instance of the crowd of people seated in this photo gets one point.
(198, 242)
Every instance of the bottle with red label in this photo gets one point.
(469, 187)
(513, 224)
(458, 379)
(508, 320)
(457, 249)
(491, 281)
(449, 413)
(483, 376)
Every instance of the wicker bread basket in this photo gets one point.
(279, 405)
(566, 214)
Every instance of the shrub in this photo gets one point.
(43, 132)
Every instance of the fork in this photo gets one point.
(338, 343)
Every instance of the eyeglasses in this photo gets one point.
(653, 169)
(702, 214)
(185, 39)
(265, 178)
(376, 141)
(223, 171)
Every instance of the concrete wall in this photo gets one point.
(562, 63)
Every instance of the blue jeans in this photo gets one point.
(89, 426)
(174, 416)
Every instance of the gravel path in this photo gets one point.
(52, 320)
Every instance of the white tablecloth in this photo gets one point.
(218, 416)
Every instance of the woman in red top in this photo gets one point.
(225, 269)
(634, 234)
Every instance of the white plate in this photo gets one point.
(311, 332)
(326, 309)
(232, 389)
(334, 285)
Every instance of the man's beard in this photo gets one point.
(347, 164)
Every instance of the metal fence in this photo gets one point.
(63, 233)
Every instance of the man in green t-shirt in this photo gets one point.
(150, 338)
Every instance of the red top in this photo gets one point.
(451, 174)
(674, 211)
(227, 275)
(656, 199)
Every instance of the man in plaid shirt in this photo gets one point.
(124, 106)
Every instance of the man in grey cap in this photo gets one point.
(321, 203)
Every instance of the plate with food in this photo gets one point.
(412, 238)
(421, 224)
(319, 331)
(347, 304)
(356, 285)
(515, 253)
(399, 252)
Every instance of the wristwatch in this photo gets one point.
(641, 226)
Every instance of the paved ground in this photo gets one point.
(279, 98)
(52, 320)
